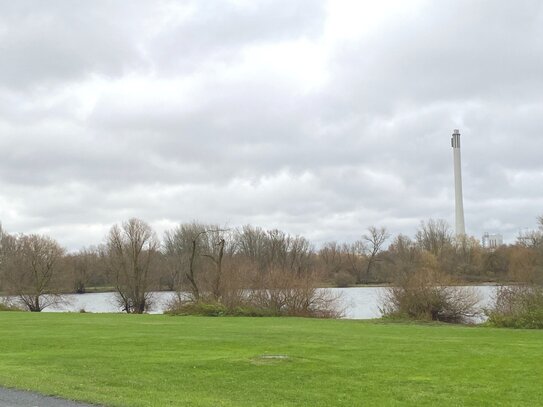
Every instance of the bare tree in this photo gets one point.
(354, 257)
(3, 252)
(183, 250)
(435, 236)
(190, 272)
(467, 257)
(174, 253)
(31, 270)
(217, 259)
(273, 249)
(187, 247)
(532, 239)
(251, 243)
(286, 252)
(82, 267)
(404, 255)
(374, 239)
(330, 254)
(130, 252)
(332, 258)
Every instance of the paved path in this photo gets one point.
(16, 398)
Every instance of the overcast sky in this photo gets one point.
(316, 117)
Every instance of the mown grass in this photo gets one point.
(159, 360)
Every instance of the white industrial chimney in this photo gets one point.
(459, 202)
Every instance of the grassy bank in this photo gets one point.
(157, 360)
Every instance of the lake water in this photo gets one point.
(359, 302)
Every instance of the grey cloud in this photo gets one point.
(450, 51)
(217, 32)
(62, 41)
(145, 112)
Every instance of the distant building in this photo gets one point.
(492, 241)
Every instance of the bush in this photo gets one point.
(249, 311)
(428, 295)
(344, 279)
(277, 292)
(7, 306)
(215, 310)
(196, 308)
(289, 294)
(517, 307)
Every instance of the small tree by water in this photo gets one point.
(31, 270)
(130, 252)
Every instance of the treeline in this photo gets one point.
(203, 263)
(220, 265)
(435, 288)
(433, 247)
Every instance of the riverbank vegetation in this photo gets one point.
(518, 306)
(266, 271)
(8, 306)
(430, 295)
(158, 360)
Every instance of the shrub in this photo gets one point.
(517, 307)
(344, 279)
(428, 295)
(8, 306)
(284, 293)
(215, 310)
(278, 292)
(250, 311)
(196, 308)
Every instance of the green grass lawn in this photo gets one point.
(157, 360)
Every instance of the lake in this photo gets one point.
(359, 302)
